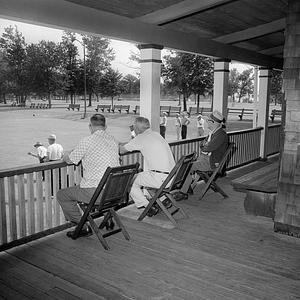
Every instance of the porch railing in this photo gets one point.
(274, 139)
(28, 205)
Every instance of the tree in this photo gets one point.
(245, 83)
(13, 48)
(276, 86)
(233, 83)
(240, 83)
(110, 84)
(188, 73)
(202, 77)
(44, 66)
(130, 84)
(98, 59)
(70, 64)
(4, 82)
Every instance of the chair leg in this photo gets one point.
(166, 212)
(120, 224)
(175, 204)
(219, 190)
(98, 233)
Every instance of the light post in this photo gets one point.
(84, 70)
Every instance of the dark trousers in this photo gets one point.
(183, 131)
(162, 130)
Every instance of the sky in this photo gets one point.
(122, 63)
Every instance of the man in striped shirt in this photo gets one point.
(96, 152)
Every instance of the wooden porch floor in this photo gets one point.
(217, 253)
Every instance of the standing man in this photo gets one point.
(41, 152)
(163, 125)
(200, 125)
(96, 152)
(158, 158)
(54, 151)
(185, 121)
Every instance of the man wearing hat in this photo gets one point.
(41, 152)
(54, 151)
(213, 147)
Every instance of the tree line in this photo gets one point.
(55, 69)
(48, 69)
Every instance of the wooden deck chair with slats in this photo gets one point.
(172, 184)
(210, 177)
(112, 194)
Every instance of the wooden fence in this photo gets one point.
(28, 206)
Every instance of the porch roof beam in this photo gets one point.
(66, 15)
(252, 33)
(180, 10)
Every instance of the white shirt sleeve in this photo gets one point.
(133, 145)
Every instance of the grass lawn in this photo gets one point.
(21, 128)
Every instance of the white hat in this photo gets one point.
(216, 116)
(37, 144)
(52, 137)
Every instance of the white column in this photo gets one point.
(221, 77)
(150, 83)
(263, 107)
(255, 98)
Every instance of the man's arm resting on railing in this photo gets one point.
(66, 158)
(122, 149)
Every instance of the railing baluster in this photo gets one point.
(48, 197)
(56, 207)
(3, 225)
(21, 203)
(12, 208)
(31, 206)
(39, 199)
(64, 183)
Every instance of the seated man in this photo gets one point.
(96, 152)
(158, 161)
(213, 147)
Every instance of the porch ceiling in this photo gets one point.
(251, 31)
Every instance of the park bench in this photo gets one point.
(120, 108)
(136, 110)
(240, 112)
(175, 110)
(117, 107)
(165, 108)
(260, 187)
(274, 113)
(74, 106)
(102, 107)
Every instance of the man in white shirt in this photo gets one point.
(96, 152)
(158, 161)
(54, 151)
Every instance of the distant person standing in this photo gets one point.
(185, 121)
(54, 151)
(178, 126)
(41, 152)
(163, 125)
(200, 125)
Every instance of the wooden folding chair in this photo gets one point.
(177, 176)
(112, 193)
(210, 177)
